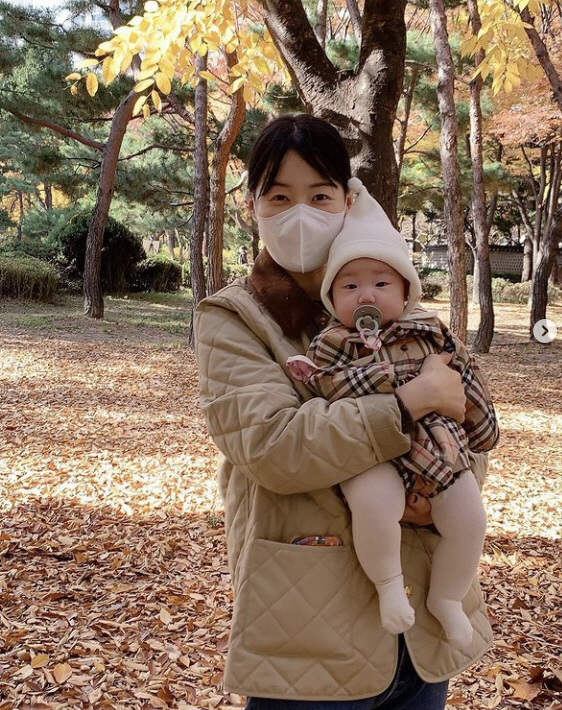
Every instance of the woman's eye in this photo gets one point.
(321, 198)
(278, 198)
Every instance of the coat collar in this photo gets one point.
(288, 304)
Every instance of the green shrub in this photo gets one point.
(121, 252)
(431, 288)
(23, 276)
(231, 272)
(157, 273)
(504, 291)
(30, 247)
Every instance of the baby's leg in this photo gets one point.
(376, 499)
(459, 516)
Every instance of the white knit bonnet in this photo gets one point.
(367, 232)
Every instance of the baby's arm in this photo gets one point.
(329, 369)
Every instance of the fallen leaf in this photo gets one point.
(62, 672)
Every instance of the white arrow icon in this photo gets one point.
(545, 331)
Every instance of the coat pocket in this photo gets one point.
(296, 600)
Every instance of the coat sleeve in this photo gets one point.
(339, 374)
(263, 427)
(480, 424)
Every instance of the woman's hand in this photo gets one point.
(437, 388)
(418, 505)
(417, 510)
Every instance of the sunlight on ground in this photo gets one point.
(108, 476)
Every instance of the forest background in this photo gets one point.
(451, 112)
(129, 147)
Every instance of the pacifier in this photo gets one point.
(368, 320)
(367, 317)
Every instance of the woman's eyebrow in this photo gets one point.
(324, 183)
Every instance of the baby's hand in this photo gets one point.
(301, 367)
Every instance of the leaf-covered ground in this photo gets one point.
(114, 588)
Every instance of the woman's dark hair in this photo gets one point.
(317, 142)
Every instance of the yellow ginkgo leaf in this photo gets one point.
(139, 103)
(207, 75)
(163, 83)
(142, 85)
(92, 84)
(73, 77)
(86, 63)
(156, 100)
(146, 111)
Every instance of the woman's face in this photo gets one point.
(297, 182)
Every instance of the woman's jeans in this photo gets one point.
(406, 692)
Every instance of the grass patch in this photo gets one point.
(139, 317)
(170, 312)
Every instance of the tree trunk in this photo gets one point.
(527, 273)
(453, 206)
(93, 297)
(482, 267)
(219, 164)
(362, 106)
(355, 17)
(19, 234)
(171, 239)
(321, 22)
(48, 196)
(543, 55)
(544, 267)
(405, 120)
(555, 273)
(200, 196)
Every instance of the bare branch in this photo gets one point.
(180, 109)
(163, 146)
(56, 128)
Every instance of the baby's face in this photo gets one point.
(364, 282)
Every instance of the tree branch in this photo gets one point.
(543, 56)
(163, 146)
(297, 44)
(180, 109)
(56, 128)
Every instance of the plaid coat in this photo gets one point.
(340, 365)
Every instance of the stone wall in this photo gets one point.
(503, 259)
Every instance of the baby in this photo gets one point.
(378, 340)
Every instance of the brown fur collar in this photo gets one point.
(288, 304)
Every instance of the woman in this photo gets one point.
(306, 631)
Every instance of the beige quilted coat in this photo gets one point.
(306, 621)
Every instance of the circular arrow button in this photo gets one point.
(545, 331)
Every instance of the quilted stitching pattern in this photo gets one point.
(332, 608)
(297, 594)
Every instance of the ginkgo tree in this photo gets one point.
(514, 51)
(168, 38)
(168, 41)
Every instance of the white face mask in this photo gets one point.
(299, 238)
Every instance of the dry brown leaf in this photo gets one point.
(62, 672)
(112, 541)
(40, 660)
